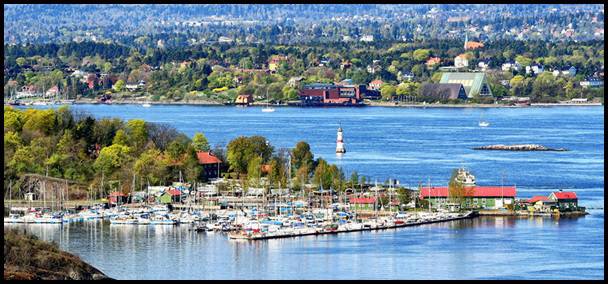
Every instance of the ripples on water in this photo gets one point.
(411, 145)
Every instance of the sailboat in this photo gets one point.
(268, 108)
(146, 105)
(483, 123)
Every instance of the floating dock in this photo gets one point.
(310, 232)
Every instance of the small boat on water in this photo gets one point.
(146, 105)
(483, 123)
(267, 108)
(90, 214)
(14, 218)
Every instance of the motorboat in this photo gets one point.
(90, 214)
(14, 218)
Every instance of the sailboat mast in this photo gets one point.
(430, 210)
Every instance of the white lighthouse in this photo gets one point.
(340, 142)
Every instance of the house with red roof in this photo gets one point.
(375, 84)
(210, 163)
(117, 197)
(362, 203)
(566, 200)
(432, 62)
(482, 197)
(540, 203)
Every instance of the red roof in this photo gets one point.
(205, 158)
(174, 192)
(473, 191)
(565, 195)
(536, 198)
(376, 82)
(266, 168)
(433, 61)
(362, 200)
(117, 193)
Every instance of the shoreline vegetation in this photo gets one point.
(28, 258)
(371, 104)
(108, 155)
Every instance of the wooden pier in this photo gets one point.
(332, 232)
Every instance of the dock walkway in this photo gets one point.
(331, 232)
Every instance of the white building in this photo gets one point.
(592, 83)
(461, 61)
(536, 69)
(569, 72)
(224, 39)
(367, 38)
(511, 66)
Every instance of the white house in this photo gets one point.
(367, 38)
(224, 39)
(461, 61)
(511, 66)
(592, 83)
(483, 65)
(570, 71)
(536, 69)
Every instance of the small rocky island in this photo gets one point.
(28, 258)
(519, 147)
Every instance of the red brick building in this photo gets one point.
(330, 94)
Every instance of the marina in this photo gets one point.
(199, 244)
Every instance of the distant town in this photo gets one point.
(479, 62)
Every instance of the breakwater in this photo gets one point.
(519, 147)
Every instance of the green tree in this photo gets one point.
(121, 138)
(138, 133)
(421, 54)
(354, 179)
(254, 171)
(242, 149)
(200, 143)
(20, 61)
(301, 156)
(322, 175)
(387, 91)
(119, 85)
(523, 60)
(149, 166)
(112, 158)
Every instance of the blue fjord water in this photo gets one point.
(413, 145)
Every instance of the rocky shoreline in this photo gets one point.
(519, 147)
(28, 258)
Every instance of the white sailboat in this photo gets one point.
(268, 108)
(146, 105)
(483, 123)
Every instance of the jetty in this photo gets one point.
(354, 227)
(519, 147)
